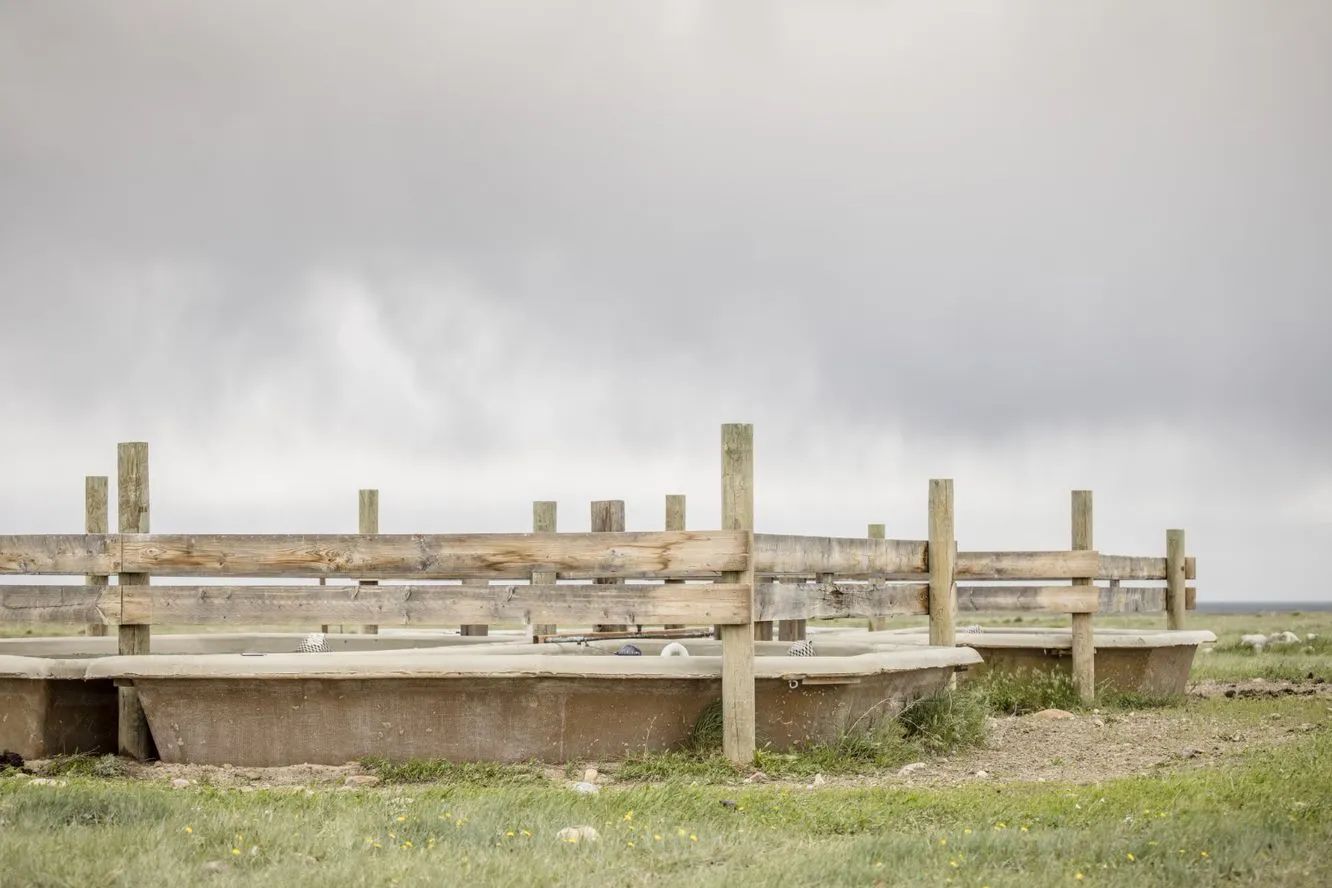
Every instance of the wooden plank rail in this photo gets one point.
(60, 554)
(816, 601)
(1137, 567)
(1027, 565)
(782, 555)
(94, 605)
(1140, 599)
(1029, 599)
(686, 555)
(402, 605)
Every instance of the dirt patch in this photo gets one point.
(294, 776)
(1089, 748)
(1261, 687)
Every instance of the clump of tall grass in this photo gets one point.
(438, 771)
(84, 765)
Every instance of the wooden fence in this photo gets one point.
(732, 578)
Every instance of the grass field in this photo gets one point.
(1260, 813)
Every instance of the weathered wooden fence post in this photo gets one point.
(675, 520)
(134, 738)
(608, 517)
(877, 532)
(1175, 591)
(1084, 644)
(367, 520)
(543, 521)
(737, 641)
(95, 520)
(943, 558)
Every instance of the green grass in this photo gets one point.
(942, 723)
(687, 818)
(451, 772)
(1265, 820)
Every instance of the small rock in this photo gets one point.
(728, 804)
(1258, 681)
(1188, 753)
(357, 781)
(585, 788)
(46, 781)
(982, 774)
(911, 768)
(180, 783)
(818, 780)
(1055, 714)
(590, 775)
(575, 834)
(214, 866)
(757, 777)
(1100, 723)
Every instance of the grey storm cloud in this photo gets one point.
(1047, 244)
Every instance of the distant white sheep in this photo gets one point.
(1257, 642)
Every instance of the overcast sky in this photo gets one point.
(475, 254)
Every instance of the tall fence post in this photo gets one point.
(877, 532)
(134, 738)
(943, 557)
(608, 517)
(1084, 644)
(95, 520)
(675, 520)
(737, 641)
(543, 521)
(1175, 594)
(367, 520)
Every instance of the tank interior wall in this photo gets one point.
(43, 717)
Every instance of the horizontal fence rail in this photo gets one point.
(1137, 567)
(810, 601)
(500, 556)
(1027, 565)
(404, 605)
(847, 557)
(1028, 599)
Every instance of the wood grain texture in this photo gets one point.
(1083, 639)
(675, 520)
(544, 520)
(1140, 599)
(784, 555)
(737, 642)
(367, 522)
(877, 532)
(1141, 567)
(1028, 599)
(1175, 575)
(96, 519)
(94, 605)
(828, 600)
(692, 554)
(608, 516)
(435, 604)
(1026, 565)
(61, 554)
(133, 737)
(943, 562)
